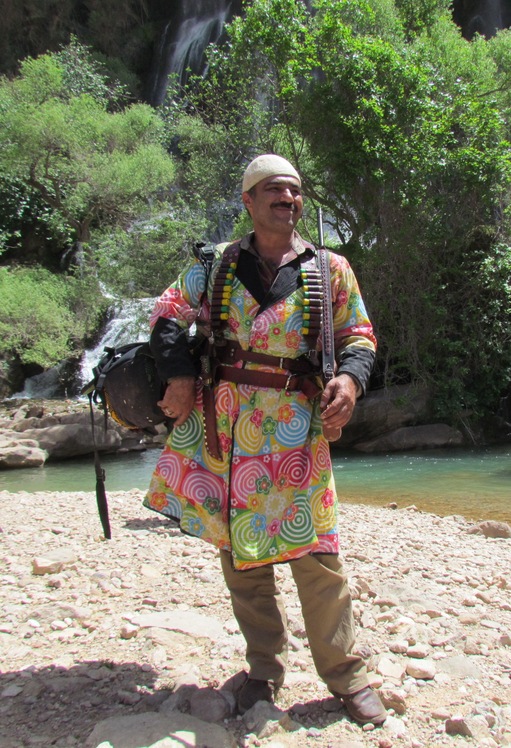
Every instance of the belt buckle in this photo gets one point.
(288, 381)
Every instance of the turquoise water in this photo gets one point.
(475, 484)
(472, 483)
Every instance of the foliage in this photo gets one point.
(29, 229)
(86, 72)
(42, 315)
(419, 16)
(145, 258)
(474, 366)
(401, 130)
(206, 168)
(87, 164)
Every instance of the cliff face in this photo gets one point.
(483, 17)
(151, 39)
(156, 38)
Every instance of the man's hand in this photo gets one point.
(337, 403)
(179, 399)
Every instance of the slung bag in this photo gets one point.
(127, 385)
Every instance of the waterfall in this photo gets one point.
(129, 323)
(183, 42)
(49, 384)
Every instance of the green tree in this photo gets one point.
(142, 260)
(402, 131)
(86, 163)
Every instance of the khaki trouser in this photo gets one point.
(326, 608)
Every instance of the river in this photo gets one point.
(473, 483)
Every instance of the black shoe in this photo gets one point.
(252, 691)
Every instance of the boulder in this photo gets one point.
(73, 439)
(413, 437)
(21, 454)
(138, 730)
(31, 433)
(385, 410)
(491, 529)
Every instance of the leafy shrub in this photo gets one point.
(39, 321)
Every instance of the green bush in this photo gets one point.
(42, 316)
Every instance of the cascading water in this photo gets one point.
(129, 324)
(49, 384)
(183, 41)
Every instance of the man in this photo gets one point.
(259, 486)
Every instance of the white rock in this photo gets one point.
(418, 651)
(136, 730)
(391, 669)
(421, 669)
(188, 622)
(128, 631)
(395, 727)
(399, 647)
(471, 727)
(54, 561)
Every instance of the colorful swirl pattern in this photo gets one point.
(190, 435)
(199, 485)
(299, 530)
(244, 478)
(170, 469)
(324, 511)
(294, 469)
(271, 497)
(295, 433)
(250, 539)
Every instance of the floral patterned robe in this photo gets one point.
(271, 497)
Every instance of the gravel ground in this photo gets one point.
(93, 630)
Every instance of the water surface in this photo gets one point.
(472, 483)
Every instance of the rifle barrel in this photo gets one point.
(320, 228)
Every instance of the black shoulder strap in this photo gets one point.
(205, 255)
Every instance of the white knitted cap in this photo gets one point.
(265, 166)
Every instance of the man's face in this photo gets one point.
(276, 204)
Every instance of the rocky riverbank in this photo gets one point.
(36, 431)
(124, 643)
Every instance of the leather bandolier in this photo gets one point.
(221, 355)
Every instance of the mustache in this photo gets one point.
(284, 204)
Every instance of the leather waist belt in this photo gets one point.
(290, 383)
(233, 352)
